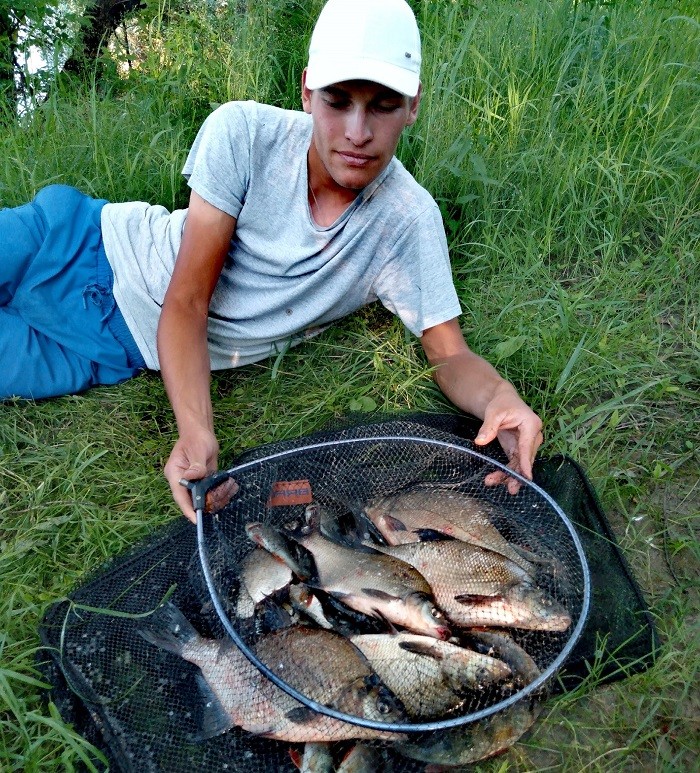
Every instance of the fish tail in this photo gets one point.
(169, 629)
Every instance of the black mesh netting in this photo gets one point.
(155, 689)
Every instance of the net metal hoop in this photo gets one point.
(369, 723)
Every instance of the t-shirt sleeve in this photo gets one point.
(218, 164)
(416, 283)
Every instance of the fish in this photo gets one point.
(261, 575)
(476, 587)
(400, 518)
(308, 603)
(521, 607)
(467, 744)
(320, 664)
(328, 612)
(500, 644)
(365, 580)
(336, 758)
(314, 758)
(362, 758)
(459, 565)
(430, 677)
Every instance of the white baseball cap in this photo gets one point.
(373, 40)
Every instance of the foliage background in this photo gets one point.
(561, 140)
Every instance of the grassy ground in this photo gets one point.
(562, 143)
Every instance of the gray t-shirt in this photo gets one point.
(285, 277)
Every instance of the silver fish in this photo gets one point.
(430, 677)
(483, 590)
(320, 664)
(261, 575)
(315, 758)
(401, 517)
(461, 566)
(368, 581)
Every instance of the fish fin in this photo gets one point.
(530, 556)
(296, 757)
(394, 523)
(375, 593)
(432, 535)
(372, 535)
(420, 648)
(168, 628)
(300, 715)
(392, 629)
(476, 598)
(215, 718)
(270, 616)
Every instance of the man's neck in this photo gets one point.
(327, 199)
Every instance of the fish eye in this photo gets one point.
(383, 706)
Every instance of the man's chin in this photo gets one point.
(355, 181)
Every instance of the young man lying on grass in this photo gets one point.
(295, 220)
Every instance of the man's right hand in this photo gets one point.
(193, 457)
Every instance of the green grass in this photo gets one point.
(562, 142)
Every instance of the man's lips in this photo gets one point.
(355, 159)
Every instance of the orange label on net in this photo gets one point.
(290, 492)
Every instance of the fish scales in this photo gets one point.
(468, 601)
(401, 516)
(430, 677)
(454, 564)
(262, 575)
(320, 664)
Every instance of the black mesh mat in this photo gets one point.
(143, 713)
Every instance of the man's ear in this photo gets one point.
(305, 93)
(413, 106)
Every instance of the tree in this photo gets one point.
(11, 19)
(100, 20)
(54, 26)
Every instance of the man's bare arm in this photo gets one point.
(182, 344)
(474, 386)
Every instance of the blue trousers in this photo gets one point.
(60, 329)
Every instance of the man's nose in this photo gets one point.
(358, 128)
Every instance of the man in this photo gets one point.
(295, 220)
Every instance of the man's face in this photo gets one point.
(357, 125)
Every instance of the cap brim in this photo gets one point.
(322, 72)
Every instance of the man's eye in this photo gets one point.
(387, 107)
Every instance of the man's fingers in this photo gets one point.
(527, 450)
(183, 499)
(499, 477)
(195, 471)
(486, 434)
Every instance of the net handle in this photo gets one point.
(205, 484)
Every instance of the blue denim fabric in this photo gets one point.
(60, 329)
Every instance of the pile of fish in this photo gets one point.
(403, 612)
